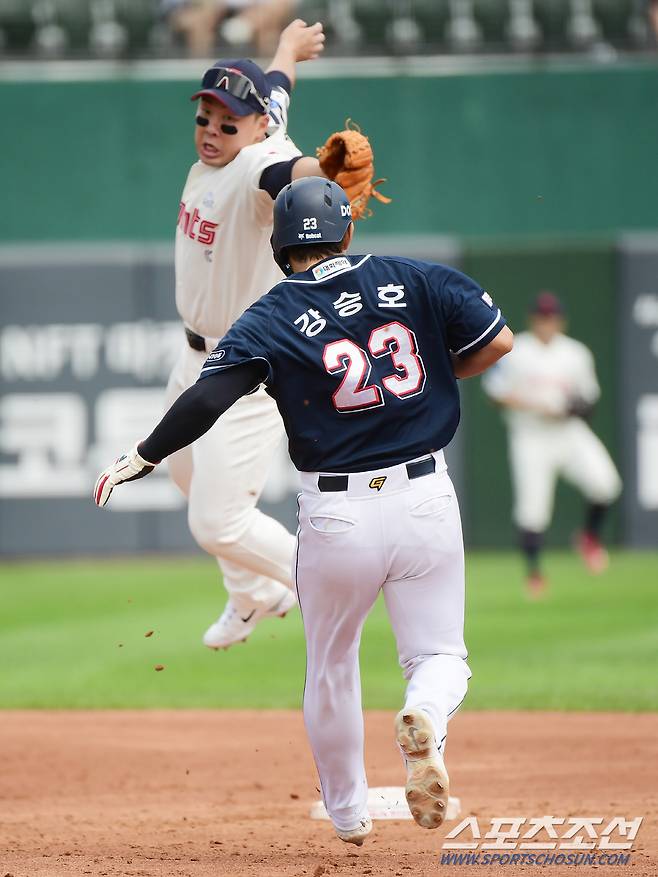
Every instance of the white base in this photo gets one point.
(388, 802)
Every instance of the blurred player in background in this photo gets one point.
(223, 264)
(548, 387)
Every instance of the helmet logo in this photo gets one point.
(345, 209)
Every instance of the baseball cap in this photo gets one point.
(241, 85)
(547, 304)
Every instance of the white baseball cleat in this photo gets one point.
(427, 779)
(356, 835)
(233, 626)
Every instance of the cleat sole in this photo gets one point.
(428, 785)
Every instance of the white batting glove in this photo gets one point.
(129, 467)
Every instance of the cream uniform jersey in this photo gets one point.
(549, 376)
(223, 257)
(545, 446)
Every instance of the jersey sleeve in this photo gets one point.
(278, 79)
(246, 340)
(277, 176)
(273, 150)
(471, 316)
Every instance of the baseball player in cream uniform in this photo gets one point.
(223, 264)
(547, 386)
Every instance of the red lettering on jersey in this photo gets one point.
(195, 219)
(207, 232)
(183, 218)
(187, 223)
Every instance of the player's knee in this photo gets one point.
(217, 534)
(532, 520)
(614, 487)
(606, 490)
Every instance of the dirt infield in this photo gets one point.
(191, 793)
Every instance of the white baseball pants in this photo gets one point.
(223, 474)
(539, 455)
(404, 539)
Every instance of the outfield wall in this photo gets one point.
(532, 148)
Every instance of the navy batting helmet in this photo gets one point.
(310, 211)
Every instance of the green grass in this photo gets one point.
(72, 635)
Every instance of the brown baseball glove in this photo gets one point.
(347, 158)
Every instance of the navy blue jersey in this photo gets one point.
(357, 351)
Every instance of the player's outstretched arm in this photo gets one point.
(298, 42)
(481, 360)
(191, 415)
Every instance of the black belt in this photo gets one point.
(196, 342)
(335, 483)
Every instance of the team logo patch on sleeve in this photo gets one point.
(487, 298)
(378, 482)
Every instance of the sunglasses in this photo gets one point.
(234, 83)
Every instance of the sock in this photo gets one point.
(531, 543)
(594, 516)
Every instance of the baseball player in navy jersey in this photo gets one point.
(223, 264)
(547, 388)
(362, 355)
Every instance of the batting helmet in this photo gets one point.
(310, 211)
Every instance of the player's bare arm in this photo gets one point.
(298, 42)
(470, 366)
(306, 166)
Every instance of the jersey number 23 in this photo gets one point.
(354, 392)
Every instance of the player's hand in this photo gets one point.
(305, 42)
(129, 467)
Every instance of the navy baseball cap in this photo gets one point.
(241, 85)
(547, 304)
